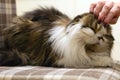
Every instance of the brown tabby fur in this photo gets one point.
(26, 40)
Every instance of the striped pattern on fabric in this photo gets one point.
(48, 73)
(7, 12)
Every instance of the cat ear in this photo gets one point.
(77, 18)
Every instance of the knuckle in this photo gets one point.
(118, 8)
(115, 10)
(112, 12)
(96, 12)
(107, 7)
(104, 12)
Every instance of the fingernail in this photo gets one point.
(106, 25)
(106, 21)
(96, 16)
(99, 21)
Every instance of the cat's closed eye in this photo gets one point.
(110, 37)
(88, 27)
(88, 31)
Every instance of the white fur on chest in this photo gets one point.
(68, 47)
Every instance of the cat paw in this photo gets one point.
(116, 66)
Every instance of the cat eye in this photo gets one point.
(83, 26)
(110, 37)
(93, 29)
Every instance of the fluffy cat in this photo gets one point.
(47, 37)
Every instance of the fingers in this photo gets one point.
(113, 15)
(99, 7)
(92, 6)
(106, 11)
(113, 21)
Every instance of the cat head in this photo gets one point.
(89, 30)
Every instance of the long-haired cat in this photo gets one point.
(47, 37)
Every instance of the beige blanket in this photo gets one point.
(48, 73)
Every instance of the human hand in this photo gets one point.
(106, 11)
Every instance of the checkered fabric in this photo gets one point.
(48, 73)
(7, 12)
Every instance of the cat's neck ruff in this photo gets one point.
(66, 45)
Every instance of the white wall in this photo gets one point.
(71, 8)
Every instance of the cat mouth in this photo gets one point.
(92, 47)
(89, 48)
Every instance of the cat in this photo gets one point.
(48, 37)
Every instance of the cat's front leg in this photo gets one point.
(101, 61)
(115, 65)
(105, 61)
(97, 60)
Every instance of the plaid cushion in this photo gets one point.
(48, 73)
(7, 12)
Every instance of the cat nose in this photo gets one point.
(100, 38)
